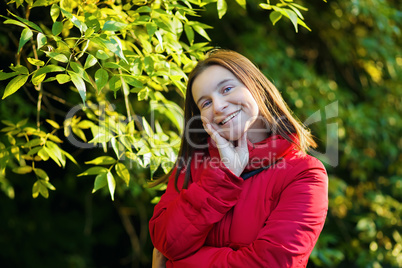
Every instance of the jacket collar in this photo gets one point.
(263, 153)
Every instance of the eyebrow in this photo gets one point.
(216, 87)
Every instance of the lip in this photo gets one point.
(236, 113)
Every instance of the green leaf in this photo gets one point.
(15, 84)
(36, 62)
(32, 143)
(41, 40)
(115, 83)
(41, 174)
(293, 17)
(242, 3)
(101, 78)
(300, 22)
(43, 190)
(113, 26)
(39, 3)
(29, 23)
(201, 31)
(222, 7)
(54, 12)
(79, 84)
(102, 160)
(189, 33)
(25, 36)
(53, 123)
(123, 172)
(55, 153)
(266, 6)
(93, 171)
(100, 182)
(275, 16)
(57, 28)
(4, 76)
(15, 22)
(148, 64)
(42, 153)
(20, 69)
(63, 78)
(151, 29)
(143, 94)
(90, 61)
(77, 23)
(111, 184)
(100, 54)
(35, 189)
(132, 81)
(40, 74)
(57, 56)
(22, 170)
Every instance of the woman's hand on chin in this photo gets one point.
(234, 157)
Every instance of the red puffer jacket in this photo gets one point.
(272, 219)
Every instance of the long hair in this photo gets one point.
(271, 106)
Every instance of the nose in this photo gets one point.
(219, 105)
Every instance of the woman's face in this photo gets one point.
(227, 105)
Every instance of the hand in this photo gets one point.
(158, 260)
(234, 158)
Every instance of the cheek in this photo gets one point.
(206, 117)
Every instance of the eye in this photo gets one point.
(227, 89)
(205, 103)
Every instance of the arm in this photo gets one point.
(181, 221)
(290, 232)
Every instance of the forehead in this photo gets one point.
(210, 78)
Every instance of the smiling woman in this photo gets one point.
(243, 193)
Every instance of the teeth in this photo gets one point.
(229, 117)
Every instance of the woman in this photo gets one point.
(243, 192)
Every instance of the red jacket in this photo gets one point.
(272, 219)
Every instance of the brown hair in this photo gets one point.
(270, 102)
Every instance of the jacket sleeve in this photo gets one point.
(289, 233)
(181, 221)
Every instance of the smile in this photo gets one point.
(227, 119)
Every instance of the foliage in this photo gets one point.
(96, 89)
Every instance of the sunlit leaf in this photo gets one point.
(41, 174)
(63, 78)
(28, 23)
(15, 22)
(22, 170)
(100, 181)
(93, 171)
(79, 84)
(54, 12)
(53, 123)
(35, 62)
(25, 36)
(222, 7)
(275, 16)
(90, 61)
(41, 40)
(102, 160)
(15, 84)
(100, 54)
(111, 184)
(123, 172)
(242, 3)
(57, 56)
(113, 26)
(101, 78)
